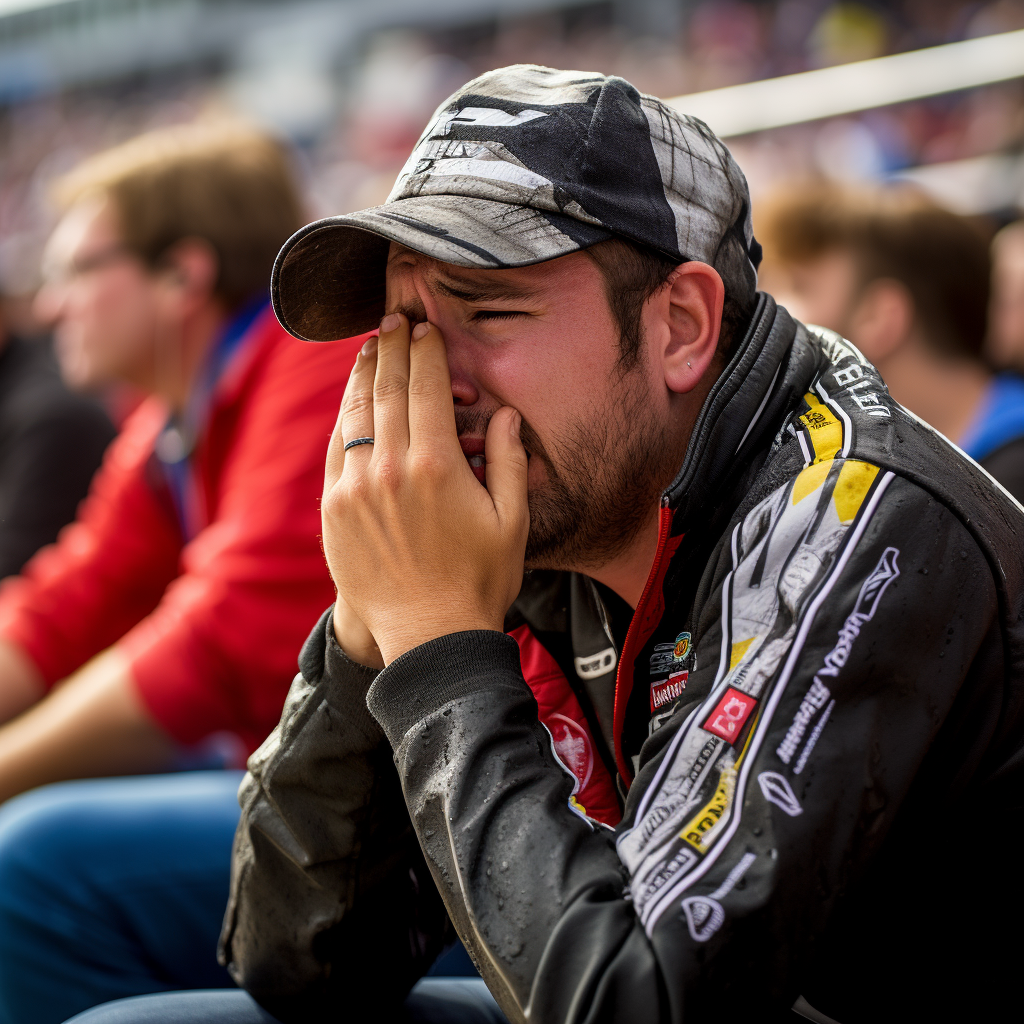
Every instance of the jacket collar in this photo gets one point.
(764, 377)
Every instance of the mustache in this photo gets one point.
(475, 422)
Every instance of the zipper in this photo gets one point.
(643, 624)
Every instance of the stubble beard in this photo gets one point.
(604, 478)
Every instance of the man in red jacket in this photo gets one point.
(131, 638)
(170, 614)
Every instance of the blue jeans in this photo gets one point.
(432, 1001)
(112, 888)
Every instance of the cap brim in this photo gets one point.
(328, 280)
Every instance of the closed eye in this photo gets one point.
(498, 314)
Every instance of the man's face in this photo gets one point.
(100, 299)
(543, 340)
(1006, 319)
(821, 291)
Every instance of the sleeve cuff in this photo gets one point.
(432, 675)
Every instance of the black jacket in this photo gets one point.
(1006, 464)
(51, 444)
(826, 804)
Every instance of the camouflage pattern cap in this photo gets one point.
(522, 165)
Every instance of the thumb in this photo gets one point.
(506, 470)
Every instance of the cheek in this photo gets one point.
(551, 366)
(557, 391)
(107, 329)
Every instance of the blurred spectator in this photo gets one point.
(200, 532)
(908, 283)
(388, 81)
(1006, 317)
(51, 443)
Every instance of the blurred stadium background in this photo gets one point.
(351, 82)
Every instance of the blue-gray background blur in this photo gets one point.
(351, 83)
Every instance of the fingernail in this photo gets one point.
(369, 346)
(517, 422)
(389, 323)
(419, 330)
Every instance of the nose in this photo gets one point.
(464, 389)
(410, 292)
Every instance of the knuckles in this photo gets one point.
(389, 386)
(389, 472)
(429, 466)
(426, 386)
(355, 404)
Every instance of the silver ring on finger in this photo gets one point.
(358, 440)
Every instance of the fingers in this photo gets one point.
(391, 387)
(431, 409)
(506, 470)
(356, 416)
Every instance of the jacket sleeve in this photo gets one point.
(327, 881)
(219, 651)
(755, 808)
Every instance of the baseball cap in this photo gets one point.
(522, 165)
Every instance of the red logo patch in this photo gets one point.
(730, 714)
(666, 691)
(572, 745)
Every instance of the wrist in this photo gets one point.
(401, 640)
(354, 638)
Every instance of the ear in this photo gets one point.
(882, 319)
(188, 272)
(688, 314)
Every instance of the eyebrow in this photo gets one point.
(481, 292)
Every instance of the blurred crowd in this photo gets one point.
(383, 97)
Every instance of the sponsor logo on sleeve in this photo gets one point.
(572, 745)
(701, 829)
(704, 916)
(818, 695)
(730, 714)
(663, 660)
(814, 700)
(777, 790)
(668, 690)
(682, 646)
(862, 390)
(667, 873)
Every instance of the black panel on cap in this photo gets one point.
(597, 153)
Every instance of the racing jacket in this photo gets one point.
(798, 772)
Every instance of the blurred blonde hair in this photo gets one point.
(227, 184)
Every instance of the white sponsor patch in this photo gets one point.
(814, 700)
(809, 745)
(594, 665)
(870, 595)
(704, 916)
(778, 791)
